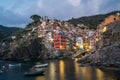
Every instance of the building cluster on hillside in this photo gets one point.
(65, 36)
(59, 35)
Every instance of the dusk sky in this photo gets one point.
(17, 12)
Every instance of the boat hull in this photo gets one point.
(41, 66)
(14, 65)
(37, 73)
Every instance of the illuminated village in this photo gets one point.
(60, 40)
(58, 49)
(64, 36)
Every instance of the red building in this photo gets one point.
(59, 41)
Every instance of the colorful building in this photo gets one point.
(59, 41)
(79, 42)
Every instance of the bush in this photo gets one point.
(8, 39)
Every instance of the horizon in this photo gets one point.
(19, 16)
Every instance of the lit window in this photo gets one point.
(104, 29)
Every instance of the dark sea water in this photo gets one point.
(59, 70)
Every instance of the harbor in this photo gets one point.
(59, 70)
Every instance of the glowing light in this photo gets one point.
(90, 47)
(51, 39)
(61, 47)
(97, 39)
(77, 44)
(86, 37)
(74, 47)
(43, 23)
(88, 50)
(104, 29)
(81, 46)
(40, 35)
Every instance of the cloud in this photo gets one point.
(60, 9)
(74, 3)
(11, 18)
(65, 9)
(40, 4)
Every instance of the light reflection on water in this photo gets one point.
(52, 71)
(62, 70)
(71, 70)
(99, 74)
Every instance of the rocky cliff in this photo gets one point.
(108, 48)
(24, 47)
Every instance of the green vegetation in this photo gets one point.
(91, 21)
(21, 33)
(7, 39)
(7, 31)
(35, 18)
(36, 21)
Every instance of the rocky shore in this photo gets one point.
(108, 49)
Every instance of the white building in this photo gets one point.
(79, 42)
(13, 37)
(90, 33)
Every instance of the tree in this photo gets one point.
(35, 18)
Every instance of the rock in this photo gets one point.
(108, 52)
(23, 49)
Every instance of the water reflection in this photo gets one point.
(52, 71)
(40, 78)
(71, 70)
(63, 70)
(77, 70)
(89, 73)
(99, 74)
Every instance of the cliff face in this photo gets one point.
(26, 47)
(108, 48)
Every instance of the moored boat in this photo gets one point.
(1, 72)
(34, 73)
(41, 65)
(14, 65)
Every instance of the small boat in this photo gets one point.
(14, 65)
(1, 72)
(62, 57)
(34, 73)
(3, 69)
(41, 65)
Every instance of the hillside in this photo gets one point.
(108, 48)
(7, 31)
(91, 21)
(25, 46)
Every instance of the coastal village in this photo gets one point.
(52, 43)
(57, 39)
(62, 36)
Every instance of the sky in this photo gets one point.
(16, 13)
